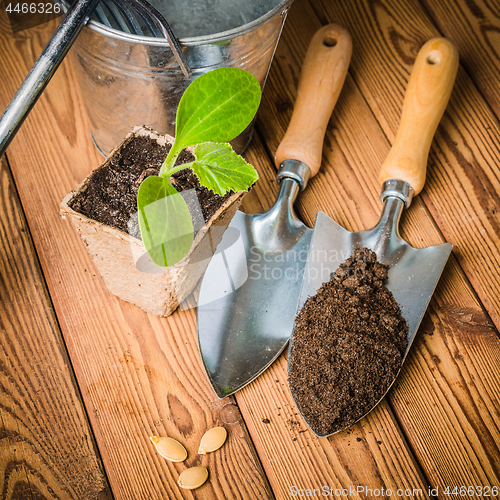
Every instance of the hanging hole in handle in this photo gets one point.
(330, 41)
(434, 57)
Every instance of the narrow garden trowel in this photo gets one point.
(413, 273)
(250, 291)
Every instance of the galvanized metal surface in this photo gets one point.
(129, 80)
(77, 15)
(243, 328)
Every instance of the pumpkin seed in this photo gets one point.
(193, 478)
(169, 448)
(212, 440)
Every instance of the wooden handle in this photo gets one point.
(427, 95)
(322, 76)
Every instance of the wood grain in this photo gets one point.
(46, 446)
(321, 79)
(474, 26)
(463, 178)
(139, 375)
(142, 375)
(451, 420)
(426, 97)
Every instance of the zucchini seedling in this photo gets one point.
(214, 109)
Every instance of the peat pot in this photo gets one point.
(118, 252)
(128, 80)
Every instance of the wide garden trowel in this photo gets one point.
(413, 273)
(250, 291)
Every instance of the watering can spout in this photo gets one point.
(76, 17)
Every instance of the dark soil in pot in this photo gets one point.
(111, 194)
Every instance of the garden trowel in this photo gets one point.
(413, 273)
(250, 291)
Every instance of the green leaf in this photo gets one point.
(216, 107)
(220, 169)
(164, 220)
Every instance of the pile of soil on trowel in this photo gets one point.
(348, 345)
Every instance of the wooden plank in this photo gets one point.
(372, 454)
(447, 397)
(46, 446)
(139, 375)
(149, 368)
(383, 464)
(464, 175)
(474, 26)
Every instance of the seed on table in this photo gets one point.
(212, 440)
(193, 478)
(170, 449)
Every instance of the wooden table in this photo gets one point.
(86, 378)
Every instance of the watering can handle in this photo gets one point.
(427, 95)
(43, 69)
(54, 52)
(321, 80)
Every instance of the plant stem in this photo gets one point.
(167, 168)
(182, 166)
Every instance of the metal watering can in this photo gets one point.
(127, 79)
(133, 70)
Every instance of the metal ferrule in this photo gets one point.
(294, 169)
(384, 237)
(398, 189)
(279, 228)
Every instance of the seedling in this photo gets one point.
(213, 110)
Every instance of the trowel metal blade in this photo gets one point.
(412, 276)
(413, 272)
(247, 304)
